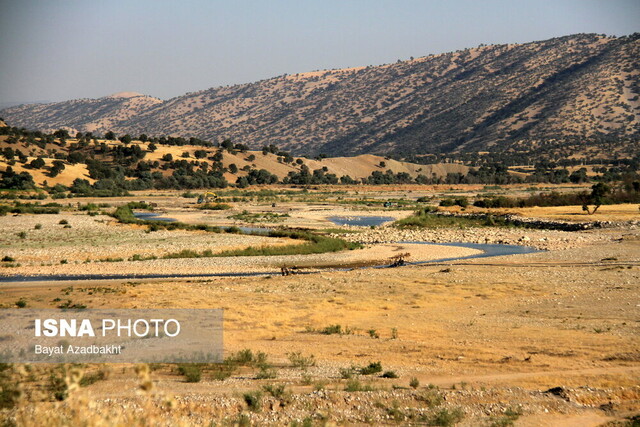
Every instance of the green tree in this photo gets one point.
(597, 197)
(61, 133)
(125, 139)
(37, 163)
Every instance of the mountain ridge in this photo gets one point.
(511, 98)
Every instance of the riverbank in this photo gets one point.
(539, 239)
(373, 255)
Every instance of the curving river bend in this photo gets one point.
(488, 250)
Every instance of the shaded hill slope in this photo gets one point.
(581, 89)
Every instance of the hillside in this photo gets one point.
(567, 96)
(136, 165)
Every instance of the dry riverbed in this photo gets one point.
(547, 338)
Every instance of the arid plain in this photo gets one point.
(543, 338)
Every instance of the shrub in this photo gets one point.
(431, 398)
(37, 226)
(253, 400)
(300, 361)
(215, 207)
(332, 329)
(7, 258)
(89, 379)
(371, 368)
(389, 374)
(266, 372)
(446, 417)
(347, 373)
(192, 373)
(22, 234)
(21, 303)
(57, 385)
(9, 392)
(355, 385)
(463, 202)
(243, 357)
(63, 222)
(276, 390)
(414, 383)
(508, 418)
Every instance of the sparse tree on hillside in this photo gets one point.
(152, 147)
(242, 182)
(126, 139)
(37, 163)
(61, 133)
(227, 145)
(110, 136)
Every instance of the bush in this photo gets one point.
(215, 206)
(7, 258)
(446, 417)
(89, 379)
(463, 202)
(192, 373)
(253, 400)
(389, 374)
(276, 390)
(21, 303)
(355, 385)
(414, 383)
(300, 361)
(347, 373)
(57, 385)
(431, 398)
(371, 368)
(63, 222)
(332, 329)
(9, 391)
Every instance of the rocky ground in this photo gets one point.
(546, 338)
(549, 338)
(540, 239)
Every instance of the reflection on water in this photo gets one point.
(152, 216)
